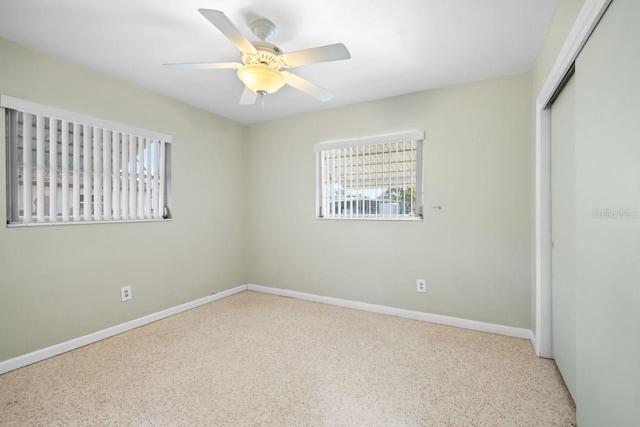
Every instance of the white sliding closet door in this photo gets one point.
(563, 230)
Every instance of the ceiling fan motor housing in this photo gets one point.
(268, 54)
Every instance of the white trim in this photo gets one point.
(532, 338)
(60, 114)
(543, 234)
(585, 23)
(54, 350)
(474, 325)
(355, 218)
(374, 140)
(92, 222)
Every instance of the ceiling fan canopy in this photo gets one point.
(262, 62)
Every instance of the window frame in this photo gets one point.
(417, 136)
(145, 138)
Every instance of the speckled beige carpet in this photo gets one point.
(254, 359)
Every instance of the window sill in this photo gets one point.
(411, 219)
(61, 223)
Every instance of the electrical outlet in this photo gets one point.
(421, 285)
(125, 293)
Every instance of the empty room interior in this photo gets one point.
(320, 213)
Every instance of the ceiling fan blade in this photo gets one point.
(248, 97)
(205, 65)
(332, 52)
(226, 27)
(306, 86)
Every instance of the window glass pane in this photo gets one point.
(62, 171)
(372, 181)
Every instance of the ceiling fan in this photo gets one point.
(262, 62)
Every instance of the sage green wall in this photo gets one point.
(563, 19)
(475, 253)
(608, 249)
(58, 283)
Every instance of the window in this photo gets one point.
(375, 178)
(64, 167)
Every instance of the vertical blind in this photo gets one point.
(376, 178)
(66, 167)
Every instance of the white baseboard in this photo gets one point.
(54, 350)
(534, 343)
(474, 325)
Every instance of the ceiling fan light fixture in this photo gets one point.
(261, 61)
(261, 78)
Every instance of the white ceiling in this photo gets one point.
(397, 47)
